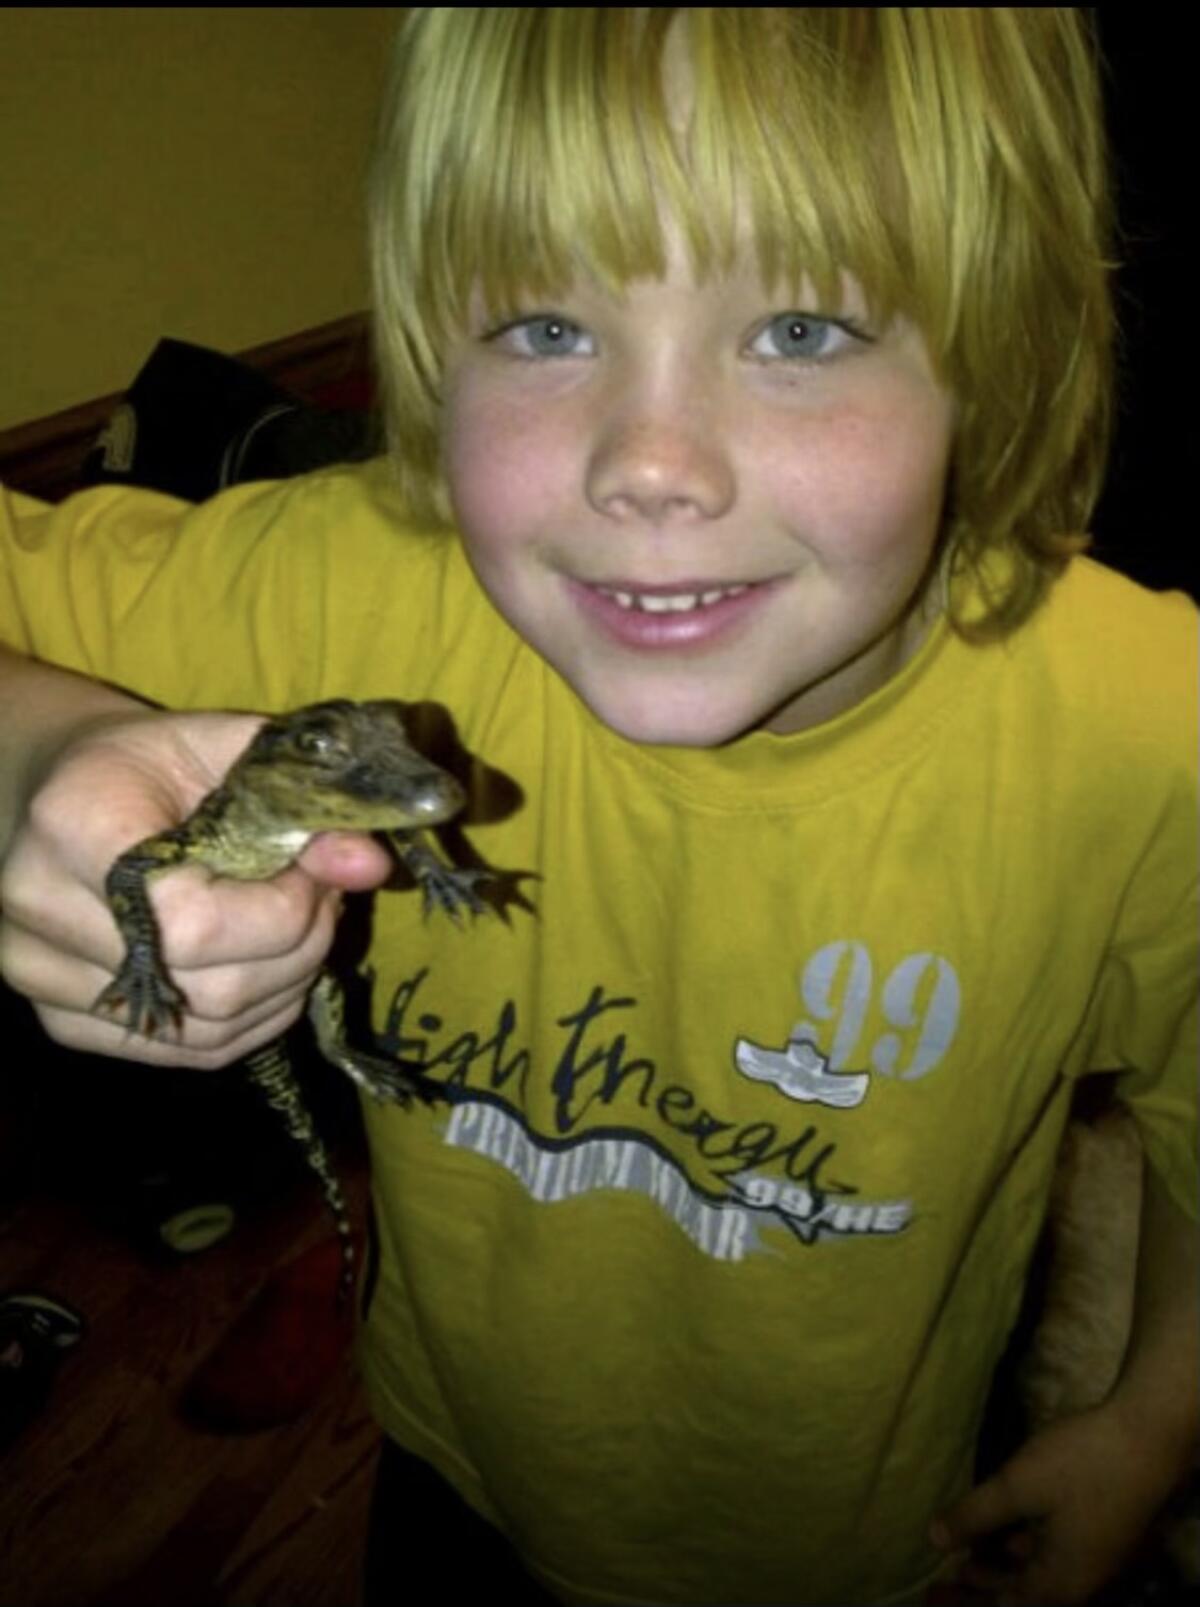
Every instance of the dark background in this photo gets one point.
(1145, 524)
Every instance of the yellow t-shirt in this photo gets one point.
(697, 1282)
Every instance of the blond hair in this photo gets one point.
(953, 159)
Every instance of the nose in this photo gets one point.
(661, 468)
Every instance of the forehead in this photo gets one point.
(604, 144)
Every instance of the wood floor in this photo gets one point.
(110, 1498)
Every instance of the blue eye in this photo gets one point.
(805, 336)
(544, 335)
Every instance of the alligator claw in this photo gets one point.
(145, 997)
(449, 890)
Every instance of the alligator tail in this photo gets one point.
(270, 1069)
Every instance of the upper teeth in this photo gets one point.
(676, 603)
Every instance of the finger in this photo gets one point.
(351, 860)
(220, 993)
(47, 975)
(72, 924)
(231, 996)
(94, 807)
(985, 1509)
(200, 1045)
(202, 920)
(40, 895)
(208, 921)
(1009, 1570)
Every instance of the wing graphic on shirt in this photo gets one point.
(802, 1072)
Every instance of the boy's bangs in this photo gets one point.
(597, 121)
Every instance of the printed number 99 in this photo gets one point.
(921, 998)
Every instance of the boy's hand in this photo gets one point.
(244, 953)
(1062, 1517)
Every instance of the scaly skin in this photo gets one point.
(326, 767)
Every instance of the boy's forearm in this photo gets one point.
(39, 707)
(1159, 1386)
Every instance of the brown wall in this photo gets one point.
(195, 172)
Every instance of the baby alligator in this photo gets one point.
(327, 767)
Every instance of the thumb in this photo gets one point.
(984, 1510)
(351, 860)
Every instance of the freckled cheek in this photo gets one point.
(503, 467)
(872, 490)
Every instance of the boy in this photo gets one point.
(760, 361)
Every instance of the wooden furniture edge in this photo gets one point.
(44, 456)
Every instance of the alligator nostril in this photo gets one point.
(436, 794)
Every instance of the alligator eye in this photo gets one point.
(319, 743)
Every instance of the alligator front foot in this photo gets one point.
(143, 995)
(451, 890)
(443, 887)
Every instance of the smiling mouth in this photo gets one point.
(671, 602)
(683, 616)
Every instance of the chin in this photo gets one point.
(665, 727)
